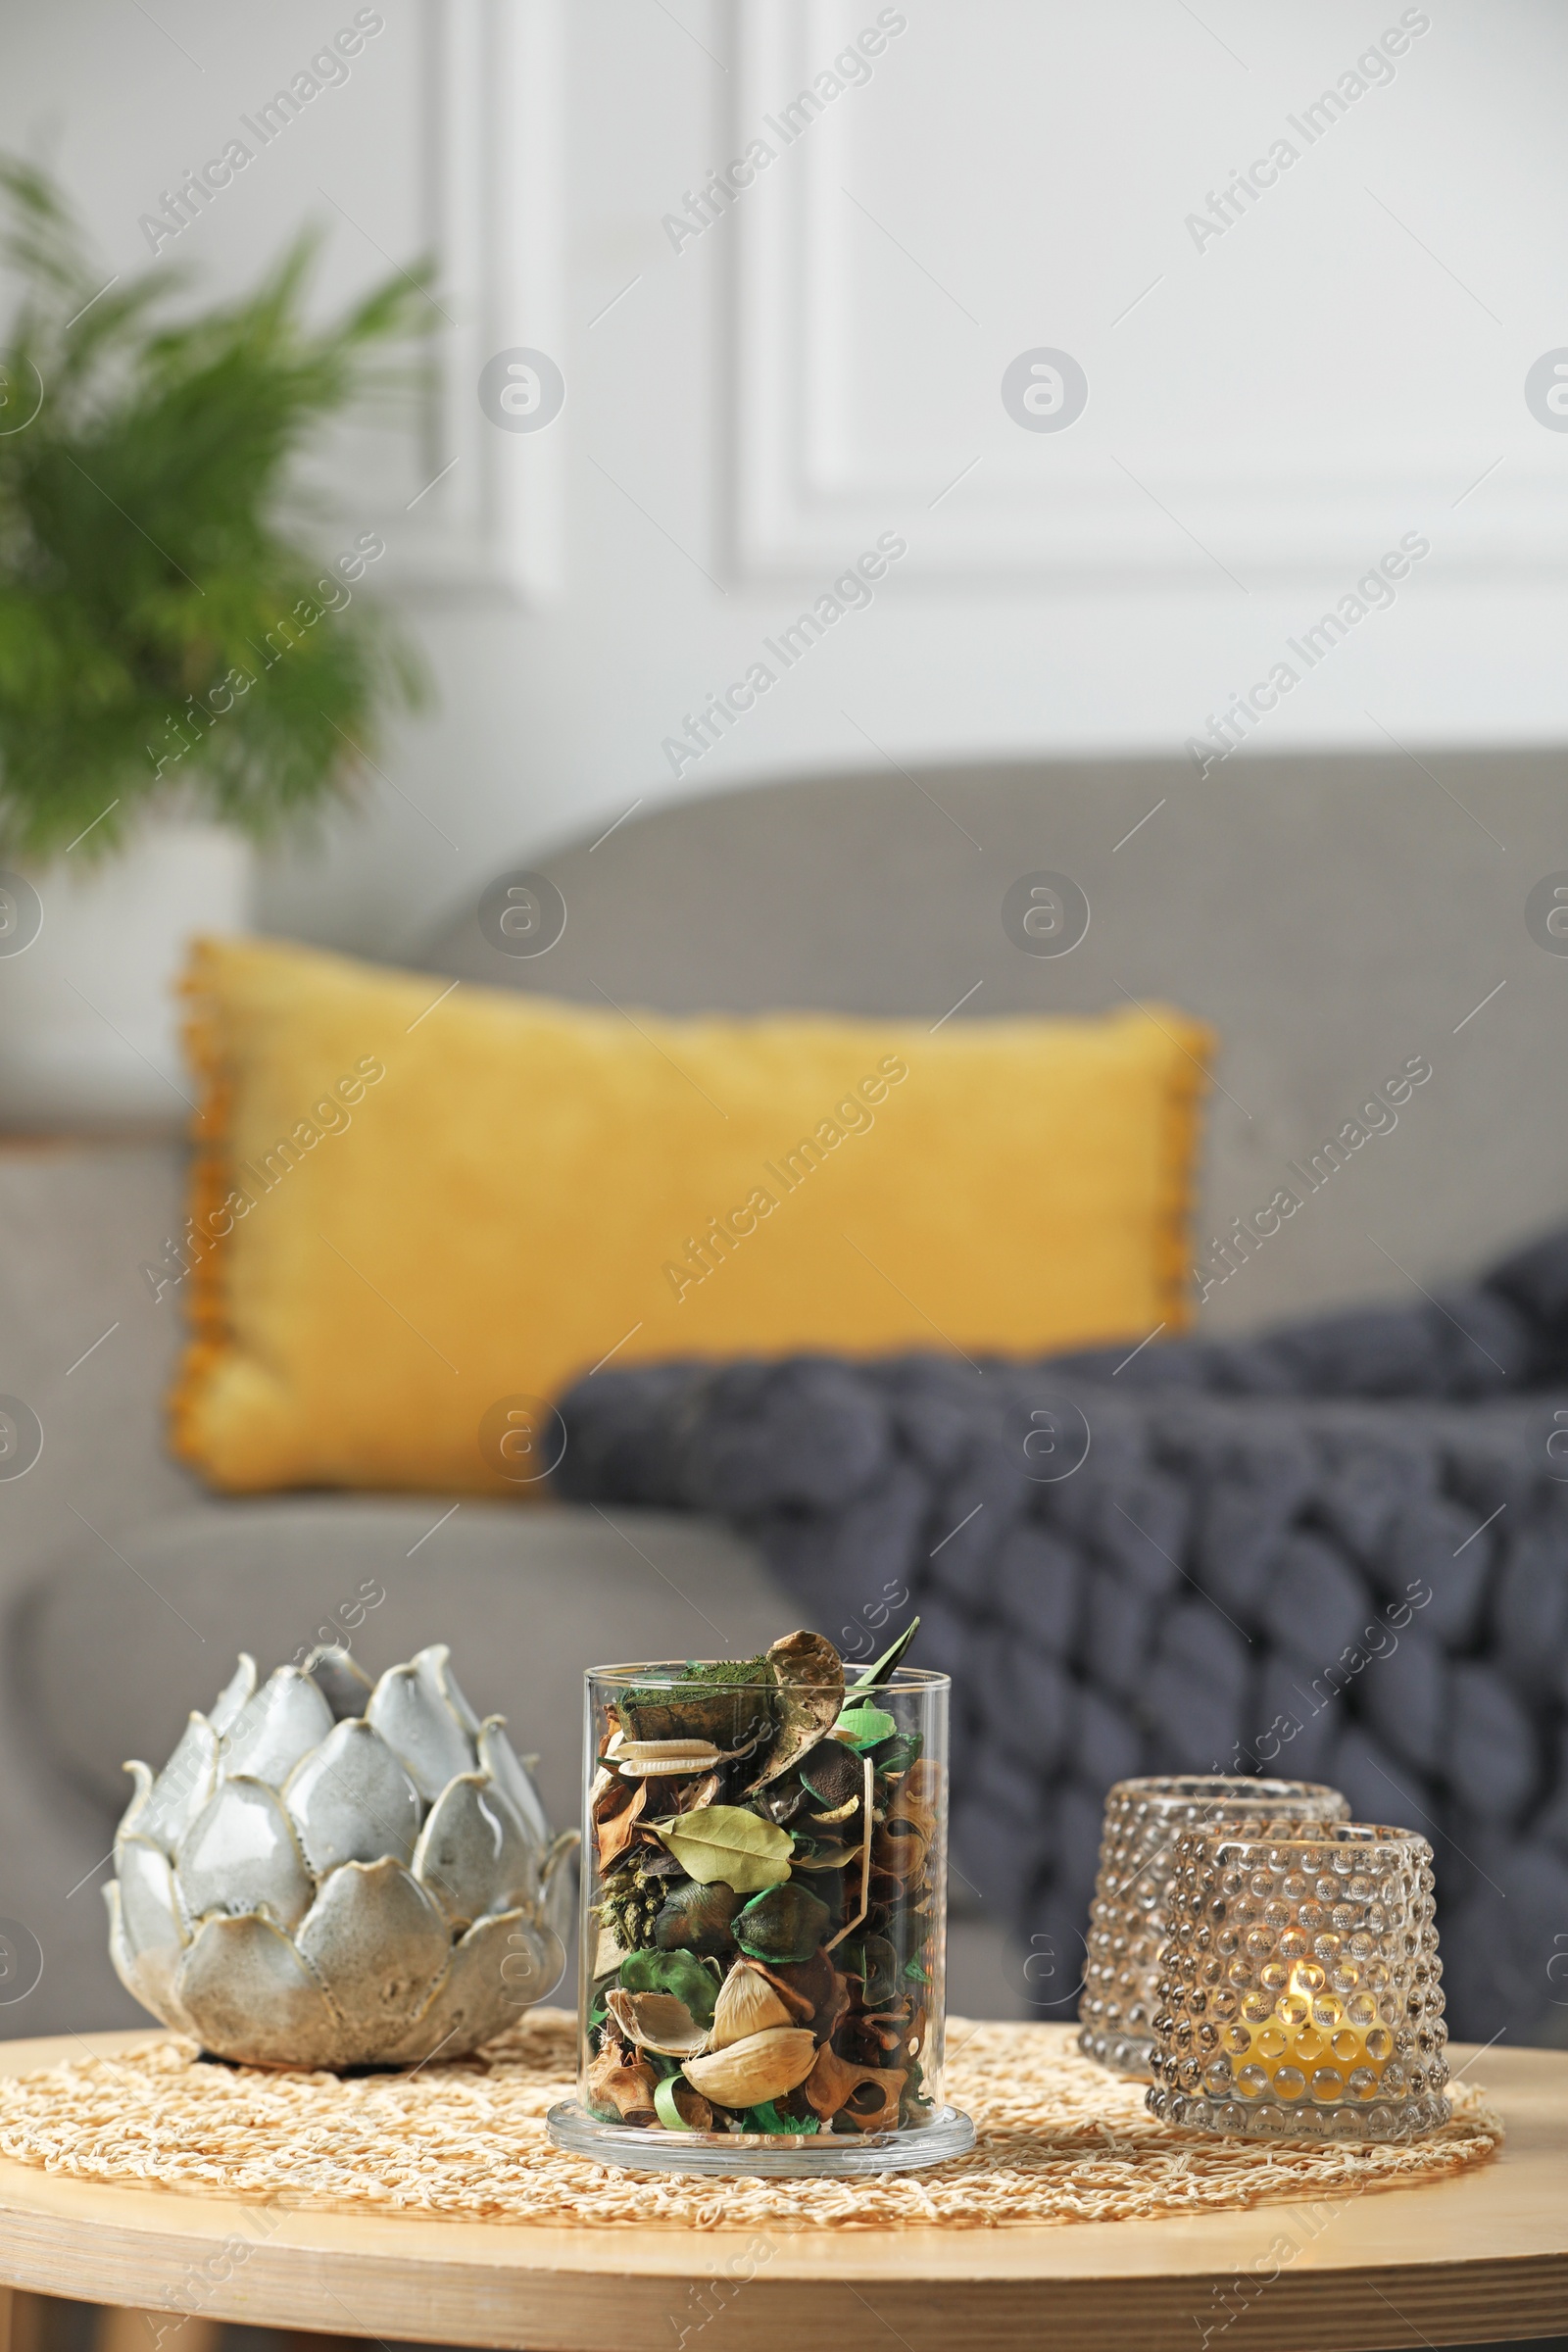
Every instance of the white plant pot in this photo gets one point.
(89, 1021)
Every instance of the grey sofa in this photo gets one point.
(1333, 917)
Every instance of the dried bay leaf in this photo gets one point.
(724, 1844)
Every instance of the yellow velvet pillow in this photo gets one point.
(415, 1205)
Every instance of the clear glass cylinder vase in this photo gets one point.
(764, 1925)
(1300, 1993)
(1145, 1821)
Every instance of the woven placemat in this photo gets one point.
(1057, 2140)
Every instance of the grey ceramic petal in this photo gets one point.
(235, 1694)
(274, 1730)
(420, 1729)
(183, 1788)
(250, 1996)
(501, 1760)
(125, 1965)
(474, 2000)
(475, 1854)
(378, 1944)
(240, 1854)
(434, 1667)
(141, 1775)
(149, 1915)
(342, 1682)
(352, 1801)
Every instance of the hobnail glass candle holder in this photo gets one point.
(1145, 1821)
(764, 1926)
(1301, 1994)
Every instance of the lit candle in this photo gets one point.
(1311, 2042)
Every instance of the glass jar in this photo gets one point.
(1300, 1993)
(764, 1924)
(1133, 1893)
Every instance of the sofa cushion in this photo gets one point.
(417, 1215)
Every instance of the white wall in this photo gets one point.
(1277, 409)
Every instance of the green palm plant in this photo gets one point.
(168, 632)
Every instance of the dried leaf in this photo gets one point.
(811, 1682)
(725, 1844)
(888, 1664)
(616, 1834)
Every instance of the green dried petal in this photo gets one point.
(697, 1919)
(679, 1973)
(787, 1922)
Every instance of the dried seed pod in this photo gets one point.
(823, 1855)
(747, 2004)
(765, 2066)
(657, 2021)
(832, 1771)
(615, 2080)
(651, 1759)
(867, 2097)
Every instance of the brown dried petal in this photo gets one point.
(690, 1797)
(691, 2106)
(809, 1987)
(615, 1834)
(917, 1797)
(901, 1857)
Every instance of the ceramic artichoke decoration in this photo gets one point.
(330, 1872)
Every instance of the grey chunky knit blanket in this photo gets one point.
(1338, 1552)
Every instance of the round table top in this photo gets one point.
(1482, 2256)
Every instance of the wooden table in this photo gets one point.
(1479, 2258)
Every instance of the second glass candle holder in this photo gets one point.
(1145, 1821)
